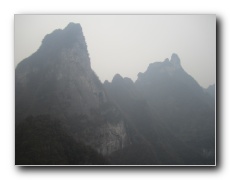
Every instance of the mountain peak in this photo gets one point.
(117, 78)
(166, 60)
(60, 38)
(66, 45)
(175, 60)
(73, 27)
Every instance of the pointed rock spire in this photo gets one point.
(175, 60)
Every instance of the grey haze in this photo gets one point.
(127, 44)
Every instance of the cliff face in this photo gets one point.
(58, 80)
(59, 72)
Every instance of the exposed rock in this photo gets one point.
(58, 80)
(175, 60)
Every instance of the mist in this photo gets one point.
(127, 44)
(119, 90)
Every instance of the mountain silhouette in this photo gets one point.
(64, 115)
(57, 80)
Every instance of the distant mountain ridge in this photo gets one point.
(172, 109)
(190, 112)
(163, 118)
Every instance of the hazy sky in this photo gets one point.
(127, 44)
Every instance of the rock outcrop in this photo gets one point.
(57, 80)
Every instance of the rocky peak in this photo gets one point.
(119, 81)
(175, 60)
(66, 44)
(67, 36)
(57, 80)
(117, 78)
(128, 80)
(62, 64)
(167, 67)
(73, 27)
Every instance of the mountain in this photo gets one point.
(64, 115)
(42, 140)
(57, 80)
(160, 107)
(211, 91)
(181, 104)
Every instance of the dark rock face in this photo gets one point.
(42, 140)
(57, 80)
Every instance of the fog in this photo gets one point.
(65, 116)
(127, 44)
